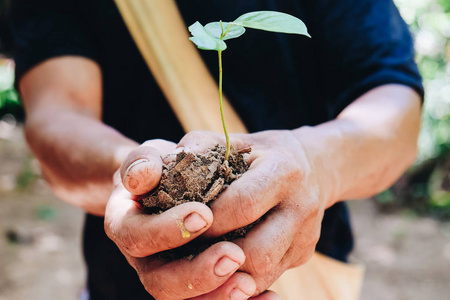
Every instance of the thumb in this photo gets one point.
(141, 171)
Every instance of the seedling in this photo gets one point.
(212, 36)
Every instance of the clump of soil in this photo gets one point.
(196, 177)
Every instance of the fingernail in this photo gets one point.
(225, 266)
(133, 182)
(135, 163)
(237, 294)
(194, 222)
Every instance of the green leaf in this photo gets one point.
(203, 40)
(215, 29)
(272, 21)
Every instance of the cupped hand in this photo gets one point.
(140, 237)
(286, 186)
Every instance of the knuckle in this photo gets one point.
(134, 245)
(148, 243)
(304, 258)
(294, 173)
(162, 240)
(126, 242)
(163, 289)
(193, 137)
(290, 176)
(248, 208)
(308, 212)
(312, 211)
(112, 227)
(261, 262)
(149, 143)
(264, 283)
(109, 229)
(302, 253)
(199, 140)
(198, 285)
(315, 238)
(123, 237)
(133, 249)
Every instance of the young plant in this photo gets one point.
(212, 36)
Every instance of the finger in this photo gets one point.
(200, 141)
(239, 286)
(205, 273)
(142, 235)
(268, 295)
(141, 171)
(247, 199)
(269, 247)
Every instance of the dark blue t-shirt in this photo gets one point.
(274, 81)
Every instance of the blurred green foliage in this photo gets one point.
(27, 175)
(7, 92)
(46, 213)
(9, 99)
(425, 188)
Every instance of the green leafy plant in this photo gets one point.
(212, 36)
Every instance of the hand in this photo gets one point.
(211, 275)
(284, 187)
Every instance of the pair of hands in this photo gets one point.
(282, 185)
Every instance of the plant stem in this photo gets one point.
(226, 31)
(227, 153)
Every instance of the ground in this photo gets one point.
(406, 257)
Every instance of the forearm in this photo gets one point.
(369, 145)
(78, 155)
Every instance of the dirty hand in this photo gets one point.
(286, 186)
(139, 236)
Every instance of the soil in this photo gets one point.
(195, 177)
(201, 178)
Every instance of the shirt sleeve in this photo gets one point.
(361, 45)
(45, 29)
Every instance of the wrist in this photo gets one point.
(321, 144)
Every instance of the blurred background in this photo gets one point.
(402, 235)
